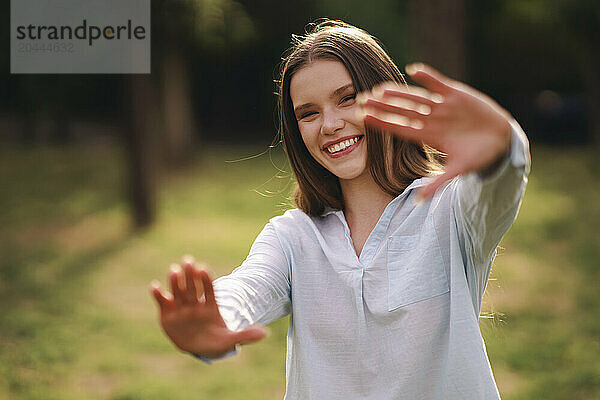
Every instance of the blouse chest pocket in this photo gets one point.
(415, 270)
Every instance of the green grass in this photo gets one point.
(544, 338)
(77, 321)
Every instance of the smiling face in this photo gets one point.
(324, 101)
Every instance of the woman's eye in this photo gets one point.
(308, 114)
(349, 97)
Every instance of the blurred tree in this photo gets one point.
(161, 125)
(385, 19)
(181, 28)
(582, 18)
(437, 34)
(532, 45)
(141, 134)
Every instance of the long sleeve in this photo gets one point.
(487, 206)
(258, 291)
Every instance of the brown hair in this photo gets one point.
(393, 163)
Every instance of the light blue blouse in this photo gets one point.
(401, 320)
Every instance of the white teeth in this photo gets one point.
(342, 145)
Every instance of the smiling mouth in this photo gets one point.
(341, 147)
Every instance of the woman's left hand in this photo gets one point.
(469, 127)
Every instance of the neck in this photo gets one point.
(363, 198)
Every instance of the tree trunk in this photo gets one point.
(177, 110)
(437, 35)
(142, 131)
(61, 133)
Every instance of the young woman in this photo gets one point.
(383, 265)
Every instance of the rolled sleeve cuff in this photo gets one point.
(208, 360)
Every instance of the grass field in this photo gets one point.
(77, 321)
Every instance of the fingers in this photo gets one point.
(411, 111)
(390, 106)
(415, 94)
(399, 125)
(189, 284)
(163, 301)
(250, 335)
(209, 293)
(199, 285)
(176, 286)
(191, 293)
(429, 77)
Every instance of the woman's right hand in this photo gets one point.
(190, 317)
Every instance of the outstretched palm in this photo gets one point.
(190, 316)
(468, 126)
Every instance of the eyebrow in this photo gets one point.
(335, 93)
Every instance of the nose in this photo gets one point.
(332, 122)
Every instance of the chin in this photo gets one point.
(349, 173)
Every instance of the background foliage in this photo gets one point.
(107, 179)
